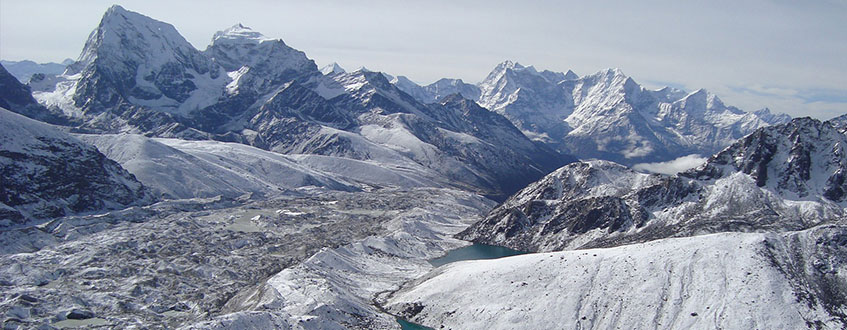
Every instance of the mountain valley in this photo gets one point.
(151, 184)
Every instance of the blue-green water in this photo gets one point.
(474, 252)
(406, 325)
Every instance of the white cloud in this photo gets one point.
(672, 167)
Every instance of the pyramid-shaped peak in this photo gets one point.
(332, 68)
(127, 37)
(570, 75)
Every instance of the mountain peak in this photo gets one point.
(332, 68)
(508, 64)
(115, 10)
(614, 72)
(126, 33)
(240, 46)
(240, 32)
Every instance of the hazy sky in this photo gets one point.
(790, 56)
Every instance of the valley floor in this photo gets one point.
(310, 259)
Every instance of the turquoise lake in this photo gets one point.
(471, 252)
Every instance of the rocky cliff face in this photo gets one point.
(47, 173)
(780, 178)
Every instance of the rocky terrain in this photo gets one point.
(47, 173)
(179, 262)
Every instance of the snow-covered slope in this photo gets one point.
(530, 99)
(784, 177)
(186, 169)
(791, 280)
(47, 173)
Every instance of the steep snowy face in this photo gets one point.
(607, 115)
(785, 177)
(530, 99)
(719, 281)
(46, 174)
(257, 62)
(134, 58)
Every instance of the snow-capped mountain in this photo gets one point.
(780, 178)
(720, 281)
(23, 70)
(607, 115)
(131, 58)
(255, 90)
(47, 173)
(257, 63)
